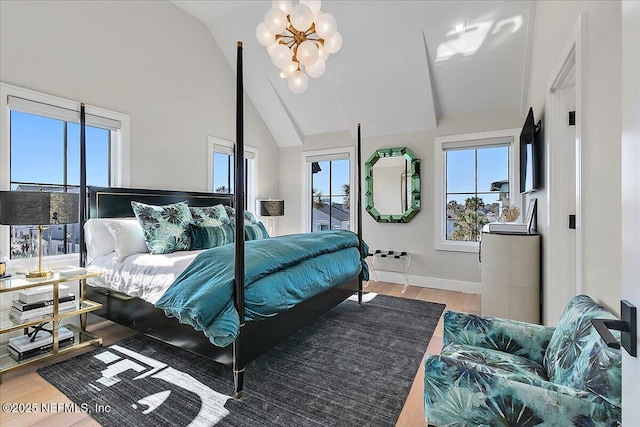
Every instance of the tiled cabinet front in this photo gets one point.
(511, 276)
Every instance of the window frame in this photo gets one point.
(119, 147)
(470, 140)
(252, 167)
(310, 156)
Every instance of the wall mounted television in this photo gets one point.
(531, 173)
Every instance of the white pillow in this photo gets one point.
(129, 237)
(98, 238)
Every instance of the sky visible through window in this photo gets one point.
(222, 164)
(493, 166)
(37, 151)
(38, 157)
(339, 177)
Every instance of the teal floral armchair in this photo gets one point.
(498, 372)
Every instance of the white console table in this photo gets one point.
(394, 261)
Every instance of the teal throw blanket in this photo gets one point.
(280, 272)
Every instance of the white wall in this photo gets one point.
(148, 59)
(418, 235)
(601, 131)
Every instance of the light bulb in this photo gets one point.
(317, 69)
(298, 82)
(314, 5)
(264, 36)
(326, 25)
(272, 46)
(280, 55)
(307, 53)
(334, 43)
(301, 17)
(275, 20)
(323, 53)
(289, 69)
(283, 5)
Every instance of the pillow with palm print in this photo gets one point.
(249, 217)
(209, 216)
(165, 228)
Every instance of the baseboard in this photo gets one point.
(430, 282)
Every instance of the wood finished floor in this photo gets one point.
(26, 386)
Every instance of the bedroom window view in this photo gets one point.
(477, 189)
(224, 174)
(45, 154)
(330, 195)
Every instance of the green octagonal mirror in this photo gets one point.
(392, 185)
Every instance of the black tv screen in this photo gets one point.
(530, 155)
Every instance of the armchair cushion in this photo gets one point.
(520, 338)
(495, 362)
(456, 395)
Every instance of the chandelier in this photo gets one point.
(297, 36)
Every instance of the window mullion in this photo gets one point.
(65, 180)
(330, 193)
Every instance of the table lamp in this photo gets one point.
(270, 208)
(38, 208)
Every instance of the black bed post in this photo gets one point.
(238, 361)
(359, 177)
(83, 184)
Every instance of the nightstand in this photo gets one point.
(81, 337)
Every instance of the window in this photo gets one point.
(41, 150)
(222, 170)
(327, 194)
(474, 181)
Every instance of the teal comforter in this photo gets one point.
(280, 272)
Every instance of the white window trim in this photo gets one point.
(120, 154)
(441, 242)
(252, 171)
(306, 183)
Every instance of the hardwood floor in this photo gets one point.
(26, 386)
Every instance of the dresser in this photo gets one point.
(510, 276)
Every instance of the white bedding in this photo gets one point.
(144, 275)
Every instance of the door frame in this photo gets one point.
(630, 207)
(570, 65)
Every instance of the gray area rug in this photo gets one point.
(353, 367)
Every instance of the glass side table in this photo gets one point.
(52, 317)
(393, 261)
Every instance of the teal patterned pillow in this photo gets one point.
(166, 228)
(209, 216)
(210, 237)
(255, 231)
(249, 217)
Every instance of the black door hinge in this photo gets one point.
(572, 222)
(572, 118)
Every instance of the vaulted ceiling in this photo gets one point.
(402, 65)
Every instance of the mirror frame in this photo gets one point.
(414, 204)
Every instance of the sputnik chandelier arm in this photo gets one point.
(297, 36)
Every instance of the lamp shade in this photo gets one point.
(270, 207)
(38, 208)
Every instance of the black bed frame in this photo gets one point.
(255, 337)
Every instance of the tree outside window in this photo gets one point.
(473, 196)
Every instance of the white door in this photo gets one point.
(562, 253)
(563, 141)
(630, 196)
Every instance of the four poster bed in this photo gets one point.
(253, 337)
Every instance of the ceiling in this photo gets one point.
(400, 69)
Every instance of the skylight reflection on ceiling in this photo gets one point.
(468, 42)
